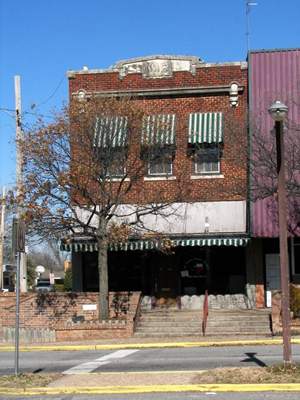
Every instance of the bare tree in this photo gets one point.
(84, 166)
(263, 169)
(46, 258)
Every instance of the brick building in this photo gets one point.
(201, 110)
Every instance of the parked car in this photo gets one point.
(44, 286)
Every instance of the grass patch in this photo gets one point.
(27, 380)
(273, 374)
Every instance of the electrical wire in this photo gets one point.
(4, 109)
(52, 94)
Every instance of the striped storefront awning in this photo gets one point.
(158, 130)
(206, 128)
(111, 132)
(157, 244)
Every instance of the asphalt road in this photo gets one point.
(176, 359)
(171, 396)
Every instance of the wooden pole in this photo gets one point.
(284, 261)
(2, 234)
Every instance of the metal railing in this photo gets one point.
(137, 313)
(205, 313)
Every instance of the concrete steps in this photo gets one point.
(180, 323)
(168, 323)
(243, 322)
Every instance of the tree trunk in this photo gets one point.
(103, 272)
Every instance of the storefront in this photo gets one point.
(184, 267)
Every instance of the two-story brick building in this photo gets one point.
(203, 108)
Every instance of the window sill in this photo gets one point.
(212, 176)
(159, 178)
(119, 179)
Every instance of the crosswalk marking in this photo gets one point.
(99, 362)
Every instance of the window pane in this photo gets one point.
(160, 167)
(207, 160)
(116, 164)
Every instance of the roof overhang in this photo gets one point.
(84, 245)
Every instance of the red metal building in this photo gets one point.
(273, 75)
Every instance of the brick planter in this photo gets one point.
(67, 316)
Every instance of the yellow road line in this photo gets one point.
(270, 387)
(149, 345)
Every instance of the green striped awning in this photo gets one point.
(206, 127)
(111, 132)
(157, 244)
(158, 129)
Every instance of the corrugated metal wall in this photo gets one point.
(273, 75)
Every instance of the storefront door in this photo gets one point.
(166, 279)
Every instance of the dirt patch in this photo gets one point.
(27, 380)
(274, 374)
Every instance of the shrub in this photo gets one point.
(59, 287)
(295, 299)
(68, 280)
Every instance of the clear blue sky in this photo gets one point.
(41, 40)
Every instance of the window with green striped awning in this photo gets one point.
(158, 130)
(111, 132)
(206, 127)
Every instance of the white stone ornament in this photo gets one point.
(156, 67)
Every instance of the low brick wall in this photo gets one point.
(48, 317)
(276, 314)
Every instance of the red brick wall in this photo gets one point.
(204, 76)
(55, 311)
(234, 159)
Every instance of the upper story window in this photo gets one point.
(158, 143)
(116, 164)
(160, 166)
(207, 160)
(205, 141)
(111, 141)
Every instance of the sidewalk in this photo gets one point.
(163, 342)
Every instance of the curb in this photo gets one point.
(258, 342)
(280, 387)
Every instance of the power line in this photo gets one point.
(52, 94)
(8, 110)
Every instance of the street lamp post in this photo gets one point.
(278, 112)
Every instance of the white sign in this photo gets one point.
(89, 307)
(51, 276)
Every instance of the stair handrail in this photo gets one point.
(205, 312)
(137, 313)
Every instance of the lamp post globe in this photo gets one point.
(278, 111)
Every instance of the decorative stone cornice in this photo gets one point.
(156, 66)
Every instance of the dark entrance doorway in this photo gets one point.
(166, 282)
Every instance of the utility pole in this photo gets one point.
(248, 8)
(19, 177)
(278, 112)
(2, 233)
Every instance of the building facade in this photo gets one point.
(201, 110)
(273, 75)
